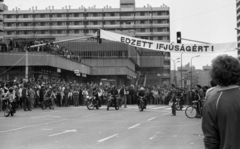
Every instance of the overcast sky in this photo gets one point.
(211, 21)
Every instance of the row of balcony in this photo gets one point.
(44, 35)
(85, 18)
(137, 34)
(79, 34)
(83, 26)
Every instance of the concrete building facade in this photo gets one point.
(152, 23)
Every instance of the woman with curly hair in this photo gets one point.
(221, 111)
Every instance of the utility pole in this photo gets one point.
(26, 66)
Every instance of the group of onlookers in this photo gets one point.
(23, 44)
(73, 93)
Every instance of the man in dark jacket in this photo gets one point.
(173, 99)
(25, 97)
(81, 102)
(221, 110)
(114, 93)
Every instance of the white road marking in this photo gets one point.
(152, 137)
(166, 113)
(134, 126)
(151, 119)
(168, 109)
(89, 115)
(39, 117)
(156, 135)
(47, 129)
(158, 108)
(66, 131)
(151, 107)
(32, 126)
(104, 139)
(46, 116)
(51, 111)
(53, 116)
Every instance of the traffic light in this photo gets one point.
(179, 38)
(99, 40)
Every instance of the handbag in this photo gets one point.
(170, 103)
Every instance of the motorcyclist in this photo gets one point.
(141, 93)
(10, 95)
(95, 94)
(114, 93)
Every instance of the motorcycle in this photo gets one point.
(141, 105)
(178, 104)
(47, 103)
(8, 108)
(110, 103)
(92, 102)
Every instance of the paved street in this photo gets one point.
(78, 127)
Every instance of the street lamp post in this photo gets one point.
(174, 62)
(181, 69)
(191, 68)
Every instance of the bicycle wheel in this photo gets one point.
(191, 112)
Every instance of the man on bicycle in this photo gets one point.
(200, 95)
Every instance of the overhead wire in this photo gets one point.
(13, 64)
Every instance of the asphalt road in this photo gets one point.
(78, 127)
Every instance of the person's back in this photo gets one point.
(222, 112)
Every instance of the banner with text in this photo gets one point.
(168, 47)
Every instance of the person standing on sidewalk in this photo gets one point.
(123, 94)
(31, 97)
(25, 97)
(173, 99)
(1, 95)
(75, 95)
(66, 92)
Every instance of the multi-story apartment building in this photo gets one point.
(151, 23)
(2, 8)
(238, 24)
(204, 76)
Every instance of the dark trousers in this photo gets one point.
(174, 109)
(66, 100)
(76, 100)
(81, 100)
(26, 103)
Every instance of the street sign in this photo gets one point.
(76, 71)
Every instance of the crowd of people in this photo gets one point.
(72, 93)
(23, 44)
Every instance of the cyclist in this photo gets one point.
(141, 93)
(200, 95)
(180, 96)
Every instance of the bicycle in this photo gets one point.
(191, 111)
